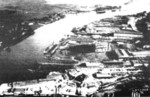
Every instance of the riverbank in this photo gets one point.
(32, 48)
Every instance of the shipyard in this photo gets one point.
(75, 50)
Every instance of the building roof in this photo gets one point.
(112, 62)
(123, 53)
(129, 32)
(141, 53)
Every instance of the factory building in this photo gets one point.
(123, 54)
(123, 34)
(113, 64)
(102, 46)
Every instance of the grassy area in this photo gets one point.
(29, 9)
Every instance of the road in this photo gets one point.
(31, 49)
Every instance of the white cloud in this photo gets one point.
(132, 6)
(137, 6)
(88, 2)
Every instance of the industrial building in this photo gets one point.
(128, 35)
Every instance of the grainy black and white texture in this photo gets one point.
(69, 41)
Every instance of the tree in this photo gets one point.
(146, 72)
(142, 27)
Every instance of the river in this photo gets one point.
(31, 49)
